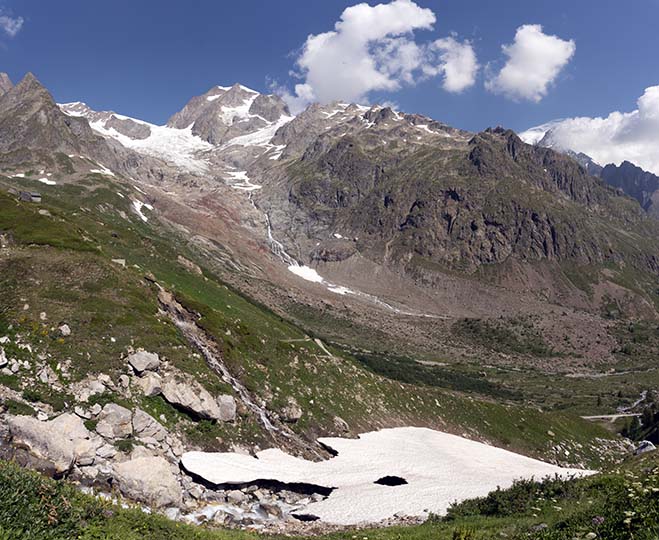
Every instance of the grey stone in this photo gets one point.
(65, 330)
(192, 397)
(142, 361)
(114, 422)
(150, 384)
(292, 412)
(145, 426)
(149, 480)
(227, 407)
(107, 451)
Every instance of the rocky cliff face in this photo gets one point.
(635, 182)
(449, 202)
(31, 122)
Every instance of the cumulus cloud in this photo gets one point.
(457, 63)
(10, 25)
(631, 136)
(372, 48)
(534, 61)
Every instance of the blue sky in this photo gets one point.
(147, 58)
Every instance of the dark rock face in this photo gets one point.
(459, 207)
(33, 125)
(586, 162)
(635, 182)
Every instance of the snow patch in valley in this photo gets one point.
(306, 273)
(439, 468)
(47, 181)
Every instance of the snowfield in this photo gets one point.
(439, 468)
(178, 146)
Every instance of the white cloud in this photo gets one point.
(534, 61)
(458, 64)
(372, 48)
(632, 136)
(10, 25)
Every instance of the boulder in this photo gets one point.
(63, 441)
(292, 412)
(3, 358)
(149, 480)
(227, 406)
(145, 426)
(150, 384)
(142, 361)
(86, 388)
(643, 447)
(192, 397)
(114, 422)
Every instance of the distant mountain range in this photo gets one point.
(630, 178)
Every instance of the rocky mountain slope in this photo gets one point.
(631, 179)
(635, 182)
(240, 278)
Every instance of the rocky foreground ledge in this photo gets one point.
(389, 476)
(386, 477)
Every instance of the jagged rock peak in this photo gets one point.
(5, 83)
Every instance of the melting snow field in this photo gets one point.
(439, 469)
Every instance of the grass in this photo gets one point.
(512, 335)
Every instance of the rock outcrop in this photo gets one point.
(193, 398)
(142, 361)
(63, 441)
(147, 427)
(114, 422)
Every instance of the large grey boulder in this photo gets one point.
(63, 441)
(150, 480)
(192, 397)
(144, 361)
(227, 407)
(114, 422)
(150, 383)
(145, 426)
